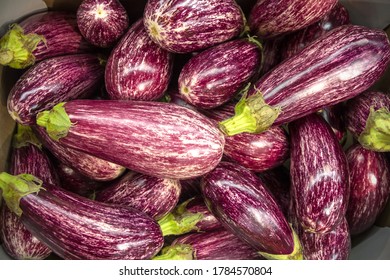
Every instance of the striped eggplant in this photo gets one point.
(151, 195)
(370, 187)
(102, 22)
(319, 175)
(183, 26)
(90, 166)
(155, 138)
(245, 207)
(336, 67)
(334, 116)
(40, 36)
(137, 68)
(75, 227)
(270, 18)
(52, 81)
(366, 117)
(214, 76)
(272, 49)
(214, 245)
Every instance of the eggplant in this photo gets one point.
(370, 187)
(41, 36)
(245, 207)
(214, 245)
(151, 195)
(272, 49)
(181, 143)
(366, 117)
(334, 116)
(48, 83)
(336, 67)
(184, 26)
(75, 227)
(270, 18)
(214, 76)
(189, 188)
(319, 175)
(137, 68)
(102, 22)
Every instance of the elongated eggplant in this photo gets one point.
(245, 207)
(102, 22)
(336, 67)
(214, 245)
(319, 175)
(155, 138)
(370, 187)
(272, 54)
(215, 75)
(41, 36)
(52, 81)
(334, 116)
(184, 26)
(151, 195)
(75, 227)
(270, 18)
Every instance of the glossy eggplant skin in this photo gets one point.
(319, 175)
(138, 69)
(370, 187)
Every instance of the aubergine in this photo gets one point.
(334, 116)
(189, 188)
(370, 187)
(185, 26)
(151, 195)
(337, 66)
(272, 54)
(41, 36)
(245, 207)
(75, 227)
(48, 82)
(154, 138)
(319, 175)
(137, 68)
(270, 18)
(102, 22)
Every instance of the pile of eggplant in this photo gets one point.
(201, 130)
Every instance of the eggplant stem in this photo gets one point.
(176, 252)
(24, 137)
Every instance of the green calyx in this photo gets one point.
(56, 121)
(376, 135)
(16, 187)
(176, 252)
(25, 136)
(16, 48)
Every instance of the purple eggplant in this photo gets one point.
(272, 49)
(215, 75)
(155, 138)
(319, 175)
(366, 117)
(102, 22)
(336, 67)
(153, 196)
(75, 227)
(270, 18)
(189, 188)
(137, 68)
(52, 81)
(183, 26)
(40, 36)
(370, 187)
(334, 116)
(214, 245)
(244, 206)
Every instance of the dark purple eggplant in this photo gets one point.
(52, 81)
(270, 18)
(189, 188)
(370, 187)
(155, 138)
(137, 68)
(151, 195)
(319, 175)
(102, 22)
(75, 227)
(214, 76)
(40, 36)
(214, 245)
(245, 207)
(271, 57)
(336, 67)
(366, 117)
(183, 26)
